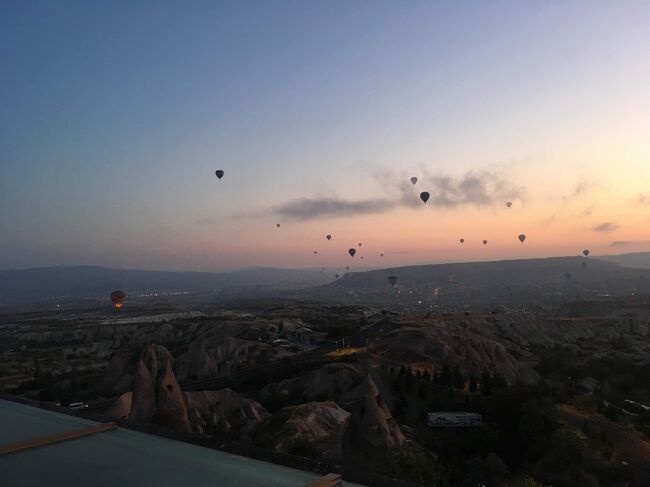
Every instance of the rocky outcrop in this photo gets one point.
(310, 429)
(223, 412)
(215, 356)
(371, 424)
(428, 347)
(156, 397)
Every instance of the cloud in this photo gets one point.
(620, 243)
(475, 188)
(579, 189)
(642, 199)
(327, 207)
(606, 227)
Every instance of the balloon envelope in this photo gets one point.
(328, 237)
(484, 242)
(414, 180)
(117, 298)
(352, 251)
(277, 225)
(509, 204)
(462, 240)
(392, 280)
(219, 173)
(585, 252)
(522, 237)
(424, 196)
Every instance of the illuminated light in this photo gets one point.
(117, 305)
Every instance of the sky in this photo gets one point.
(114, 117)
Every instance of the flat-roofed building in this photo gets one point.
(451, 419)
(33, 453)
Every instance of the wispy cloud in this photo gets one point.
(580, 188)
(327, 207)
(606, 227)
(474, 188)
(642, 199)
(620, 243)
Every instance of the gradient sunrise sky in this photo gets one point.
(115, 115)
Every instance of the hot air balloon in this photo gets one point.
(462, 240)
(362, 257)
(347, 268)
(352, 251)
(328, 237)
(424, 196)
(277, 225)
(118, 297)
(219, 173)
(381, 255)
(567, 275)
(315, 252)
(359, 244)
(522, 237)
(586, 252)
(336, 276)
(509, 204)
(414, 180)
(484, 242)
(392, 280)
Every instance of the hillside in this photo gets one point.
(38, 284)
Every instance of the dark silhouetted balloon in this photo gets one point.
(484, 242)
(362, 257)
(381, 255)
(462, 240)
(568, 275)
(359, 244)
(219, 173)
(392, 280)
(315, 252)
(347, 268)
(522, 237)
(585, 252)
(336, 276)
(509, 204)
(117, 298)
(328, 237)
(352, 251)
(414, 180)
(424, 196)
(277, 225)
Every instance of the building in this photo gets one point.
(40, 447)
(453, 419)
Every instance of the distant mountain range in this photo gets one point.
(548, 281)
(639, 260)
(508, 281)
(38, 284)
